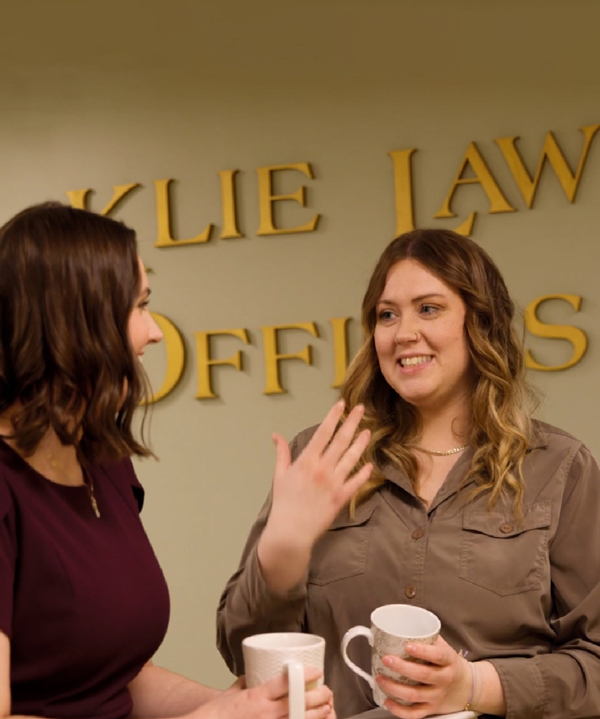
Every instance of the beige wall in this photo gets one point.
(95, 93)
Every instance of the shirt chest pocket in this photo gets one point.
(503, 554)
(342, 552)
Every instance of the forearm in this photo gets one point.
(247, 607)
(283, 560)
(157, 692)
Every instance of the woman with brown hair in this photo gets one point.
(472, 510)
(83, 602)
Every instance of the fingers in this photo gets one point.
(416, 711)
(238, 684)
(311, 674)
(343, 437)
(356, 482)
(411, 693)
(283, 458)
(322, 712)
(319, 703)
(440, 653)
(278, 687)
(421, 673)
(319, 697)
(324, 432)
(349, 460)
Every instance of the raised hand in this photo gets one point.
(309, 493)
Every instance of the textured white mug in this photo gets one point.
(268, 655)
(393, 626)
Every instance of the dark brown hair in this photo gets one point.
(500, 414)
(69, 280)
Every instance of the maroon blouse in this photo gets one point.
(82, 599)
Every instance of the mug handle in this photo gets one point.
(297, 701)
(348, 637)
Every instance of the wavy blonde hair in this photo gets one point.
(501, 430)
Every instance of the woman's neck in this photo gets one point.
(52, 459)
(445, 429)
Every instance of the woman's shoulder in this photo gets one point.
(554, 447)
(548, 436)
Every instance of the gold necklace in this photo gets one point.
(439, 453)
(87, 481)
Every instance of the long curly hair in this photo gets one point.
(502, 399)
(69, 280)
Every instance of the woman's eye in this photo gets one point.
(144, 304)
(428, 310)
(385, 315)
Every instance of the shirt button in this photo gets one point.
(410, 592)
(506, 528)
(417, 534)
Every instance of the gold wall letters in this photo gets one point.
(273, 356)
(79, 198)
(483, 177)
(403, 192)
(163, 219)
(267, 198)
(574, 335)
(229, 205)
(205, 361)
(569, 181)
(340, 349)
(175, 356)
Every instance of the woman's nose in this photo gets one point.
(155, 334)
(406, 334)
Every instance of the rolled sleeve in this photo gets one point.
(524, 687)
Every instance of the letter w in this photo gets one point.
(569, 181)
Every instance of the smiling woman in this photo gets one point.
(472, 509)
(420, 339)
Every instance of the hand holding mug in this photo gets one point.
(436, 680)
(299, 658)
(266, 701)
(393, 626)
(414, 672)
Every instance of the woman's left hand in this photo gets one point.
(444, 681)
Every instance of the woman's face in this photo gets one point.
(420, 338)
(142, 328)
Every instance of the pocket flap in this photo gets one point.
(499, 525)
(361, 515)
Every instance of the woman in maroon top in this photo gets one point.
(83, 602)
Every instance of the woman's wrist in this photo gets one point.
(475, 691)
(283, 561)
(488, 694)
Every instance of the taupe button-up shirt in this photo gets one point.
(522, 594)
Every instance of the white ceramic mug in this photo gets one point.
(268, 655)
(393, 626)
